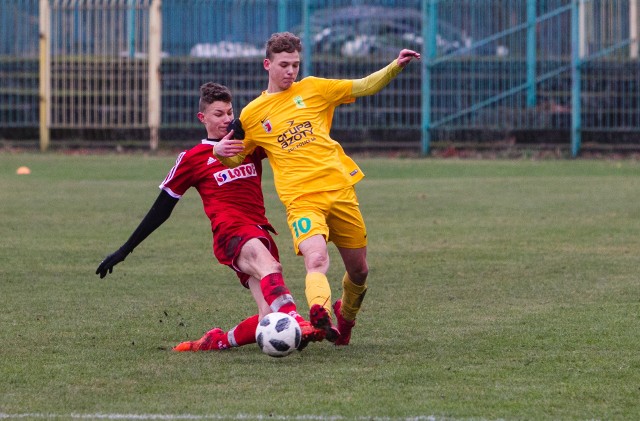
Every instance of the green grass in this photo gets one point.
(498, 290)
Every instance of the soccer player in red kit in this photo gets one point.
(233, 201)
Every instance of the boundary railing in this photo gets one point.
(561, 71)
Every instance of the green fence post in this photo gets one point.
(131, 28)
(282, 15)
(576, 111)
(429, 31)
(306, 38)
(531, 53)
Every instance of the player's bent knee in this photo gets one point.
(358, 278)
(317, 262)
(358, 274)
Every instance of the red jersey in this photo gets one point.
(229, 195)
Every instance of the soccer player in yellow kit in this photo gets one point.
(313, 176)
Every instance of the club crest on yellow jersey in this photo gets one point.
(266, 125)
(299, 102)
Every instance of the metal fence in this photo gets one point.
(561, 71)
(19, 64)
(97, 80)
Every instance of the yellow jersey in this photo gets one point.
(293, 128)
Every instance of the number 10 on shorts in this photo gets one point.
(301, 226)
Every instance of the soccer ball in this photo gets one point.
(278, 334)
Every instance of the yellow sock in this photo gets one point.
(352, 296)
(318, 290)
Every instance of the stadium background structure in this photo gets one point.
(559, 73)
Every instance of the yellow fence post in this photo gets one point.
(45, 74)
(155, 51)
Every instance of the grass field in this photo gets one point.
(498, 290)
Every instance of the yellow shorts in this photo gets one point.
(334, 214)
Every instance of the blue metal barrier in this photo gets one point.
(19, 63)
(564, 70)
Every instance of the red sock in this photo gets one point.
(277, 294)
(244, 333)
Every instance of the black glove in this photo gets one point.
(236, 126)
(110, 261)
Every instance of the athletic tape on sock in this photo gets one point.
(277, 304)
(231, 337)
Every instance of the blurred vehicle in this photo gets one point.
(225, 49)
(361, 31)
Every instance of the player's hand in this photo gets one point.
(109, 262)
(228, 146)
(236, 126)
(406, 56)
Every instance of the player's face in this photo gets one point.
(283, 70)
(216, 118)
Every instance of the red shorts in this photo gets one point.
(228, 240)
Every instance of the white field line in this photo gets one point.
(172, 417)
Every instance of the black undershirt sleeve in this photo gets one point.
(157, 215)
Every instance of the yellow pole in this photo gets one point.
(45, 74)
(155, 50)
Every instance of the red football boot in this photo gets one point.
(309, 334)
(320, 319)
(344, 326)
(215, 339)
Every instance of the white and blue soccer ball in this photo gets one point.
(278, 334)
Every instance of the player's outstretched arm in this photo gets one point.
(376, 81)
(159, 212)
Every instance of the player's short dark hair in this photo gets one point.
(211, 92)
(282, 42)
